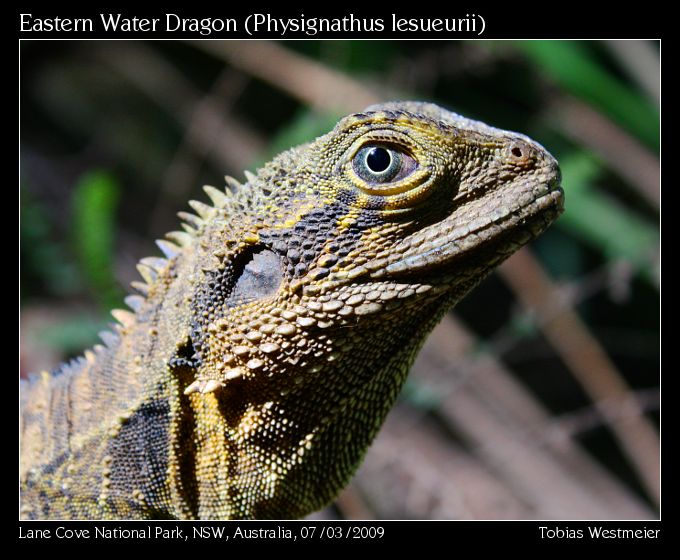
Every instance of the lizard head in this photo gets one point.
(274, 339)
(397, 208)
(457, 195)
(415, 199)
(319, 284)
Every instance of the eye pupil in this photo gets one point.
(378, 164)
(378, 160)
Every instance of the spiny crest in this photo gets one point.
(233, 200)
(181, 238)
(140, 287)
(169, 250)
(191, 220)
(108, 338)
(67, 368)
(219, 198)
(148, 273)
(134, 302)
(248, 196)
(125, 318)
(155, 263)
(204, 211)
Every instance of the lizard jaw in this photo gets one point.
(526, 221)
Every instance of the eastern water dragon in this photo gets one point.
(263, 352)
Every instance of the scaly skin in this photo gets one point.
(267, 347)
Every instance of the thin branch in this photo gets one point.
(623, 153)
(589, 364)
(302, 78)
(590, 418)
(352, 504)
(615, 277)
(185, 164)
(642, 62)
(228, 142)
(512, 430)
(436, 479)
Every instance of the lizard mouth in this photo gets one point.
(485, 240)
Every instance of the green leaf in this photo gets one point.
(419, 395)
(73, 334)
(44, 260)
(573, 67)
(304, 127)
(94, 204)
(601, 221)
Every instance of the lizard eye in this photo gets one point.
(377, 163)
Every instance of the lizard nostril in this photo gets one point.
(519, 153)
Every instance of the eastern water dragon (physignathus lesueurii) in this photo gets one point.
(264, 350)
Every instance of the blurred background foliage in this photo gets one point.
(560, 348)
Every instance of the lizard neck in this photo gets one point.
(256, 455)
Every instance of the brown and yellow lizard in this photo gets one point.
(264, 351)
